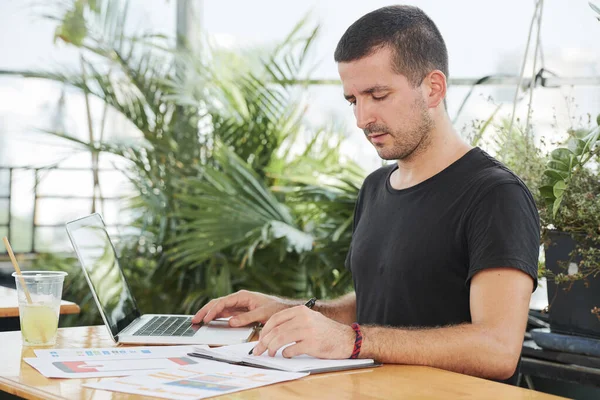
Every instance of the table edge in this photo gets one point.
(27, 392)
(65, 309)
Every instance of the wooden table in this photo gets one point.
(389, 381)
(9, 305)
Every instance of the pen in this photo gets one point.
(310, 304)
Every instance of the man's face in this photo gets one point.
(392, 113)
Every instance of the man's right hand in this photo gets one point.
(244, 307)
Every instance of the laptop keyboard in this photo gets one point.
(168, 326)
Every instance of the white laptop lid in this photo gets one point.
(101, 268)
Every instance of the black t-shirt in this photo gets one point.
(414, 251)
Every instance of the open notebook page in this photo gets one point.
(303, 363)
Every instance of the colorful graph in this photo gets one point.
(199, 383)
(79, 367)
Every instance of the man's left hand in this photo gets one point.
(314, 334)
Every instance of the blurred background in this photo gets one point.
(214, 139)
(483, 40)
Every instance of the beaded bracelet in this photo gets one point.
(357, 341)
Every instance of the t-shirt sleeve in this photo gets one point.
(503, 230)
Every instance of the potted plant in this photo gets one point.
(570, 214)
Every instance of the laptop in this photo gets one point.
(117, 306)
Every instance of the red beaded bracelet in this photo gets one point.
(357, 341)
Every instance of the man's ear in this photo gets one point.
(435, 88)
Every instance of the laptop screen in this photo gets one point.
(101, 267)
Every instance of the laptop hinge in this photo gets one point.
(129, 329)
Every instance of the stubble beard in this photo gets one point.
(406, 143)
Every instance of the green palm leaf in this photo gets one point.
(230, 205)
(224, 200)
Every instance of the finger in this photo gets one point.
(297, 349)
(280, 336)
(259, 314)
(235, 300)
(202, 312)
(285, 338)
(231, 313)
(282, 317)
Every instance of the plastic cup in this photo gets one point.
(39, 318)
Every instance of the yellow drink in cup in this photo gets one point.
(39, 323)
(39, 294)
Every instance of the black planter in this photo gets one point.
(570, 311)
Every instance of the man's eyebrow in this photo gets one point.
(371, 90)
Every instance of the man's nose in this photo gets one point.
(363, 114)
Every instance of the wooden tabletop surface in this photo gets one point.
(9, 305)
(386, 382)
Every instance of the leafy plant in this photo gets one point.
(230, 194)
(518, 151)
(568, 179)
(578, 215)
(566, 162)
(289, 239)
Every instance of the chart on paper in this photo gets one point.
(198, 381)
(76, 365)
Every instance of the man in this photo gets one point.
(445, 242)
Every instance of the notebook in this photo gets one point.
(238, 354)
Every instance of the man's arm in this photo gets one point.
(489, 347)
(342, 309)
(247, 307)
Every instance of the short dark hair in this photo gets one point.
(417, 43)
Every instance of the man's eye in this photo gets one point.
(351, 102)
(380, 98)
